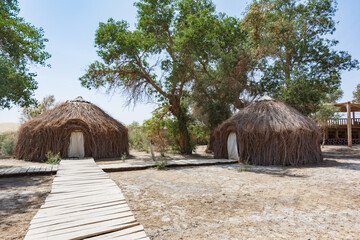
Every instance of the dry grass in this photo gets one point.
(104, 136)
(271, 133)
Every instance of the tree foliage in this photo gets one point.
(356, 94)
(299, 63)
(21, 44)
(30, 112)
(164, 57)
(137, 137)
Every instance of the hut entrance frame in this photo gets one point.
(232, 146)
(76, 145)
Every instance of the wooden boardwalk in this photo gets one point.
(84, 203)
(28, 170)
(170, 163)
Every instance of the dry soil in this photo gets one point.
(20, 199)
(248, 202)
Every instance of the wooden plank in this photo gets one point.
(12, 171)
(80, 232)
(135, 232)
(171, 163)
(112, 235)
(73, 222)
(87, 207)
(24, 169)
(32, 169)
(83, 203)
(98, 211)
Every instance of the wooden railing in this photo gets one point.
(355, 122)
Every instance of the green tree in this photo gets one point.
(356, 94)
(327, 111)
(21, 44)
(161, 119)
(324, 113)
(29, 113)
(225, 61)
(299, 63)
(137, 137)
(164, 36)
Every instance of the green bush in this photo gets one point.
(8, 142)
(137, 137)
(161, 164)
(53, 159)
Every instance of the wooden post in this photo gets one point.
(151, 150)
(348, 108)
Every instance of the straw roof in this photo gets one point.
(104, 137)
(270, 132)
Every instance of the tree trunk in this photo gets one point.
(184, 136)
(210, 145)
(323, 140)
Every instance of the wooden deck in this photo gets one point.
(170, 163)
(29, 170)
(84, 203)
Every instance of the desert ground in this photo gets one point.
(249, 202)
(218, 202)
(20, 199)
(9, 126)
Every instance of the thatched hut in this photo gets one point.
(269, 132)
(75, 128)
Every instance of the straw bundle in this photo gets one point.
(104, 137)
(270, 132)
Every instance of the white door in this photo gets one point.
(76, 147)
(232, 147)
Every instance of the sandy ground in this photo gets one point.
(218, 202)
(232, 202)
(136, 156)
(7, 126)
(20, 199)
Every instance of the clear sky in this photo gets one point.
(70, 26)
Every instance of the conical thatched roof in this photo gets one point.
(103, 136)
(270, 132)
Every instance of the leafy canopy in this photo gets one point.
(21, 44)
(31, 112)
(171, 48)
(299, 63)
(356, 94)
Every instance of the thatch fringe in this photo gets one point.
(270, 132)
(104, 137)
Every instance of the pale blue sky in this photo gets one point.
(70, 26)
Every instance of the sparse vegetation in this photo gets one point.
(137, 137)
(244, 168)
(8, 142)
(123, 156)
(29, 113)
(53, 159)
(162, 164)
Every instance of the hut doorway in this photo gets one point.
(76, 146)
(232, 147)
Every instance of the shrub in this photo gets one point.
(137, 137)
(53, 159)
(161, 164)
(8, 142)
